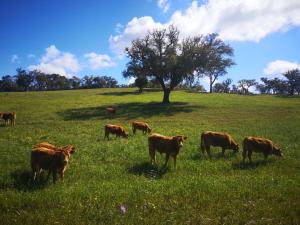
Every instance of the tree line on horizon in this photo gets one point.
(38, 81)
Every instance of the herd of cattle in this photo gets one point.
(45, 156)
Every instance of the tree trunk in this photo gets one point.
(166, 100)
(210, 84)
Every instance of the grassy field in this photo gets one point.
(105, 175)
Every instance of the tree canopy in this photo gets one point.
(162, 56)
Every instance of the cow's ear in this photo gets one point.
(185, 137)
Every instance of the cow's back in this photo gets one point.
(216, 138)
(258, 144)
(160, 143)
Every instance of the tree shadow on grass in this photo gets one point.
(130, 110)
(120, 93)
(148, 170)
(22, 181)
(136, 92)
(247, 165)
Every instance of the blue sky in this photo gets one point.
(76, 37)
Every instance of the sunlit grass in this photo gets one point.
(105, 175)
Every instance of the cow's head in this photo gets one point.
(179, 139)
(277, 151)
(124, 134)
(235, 147)
(70, 148)
(64, 156)
(149, 130)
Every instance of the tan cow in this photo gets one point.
(165, 144)
(53, 161)
(9, 117)
(261, 145)
(223, 140)
(136, 125)
(114, 129)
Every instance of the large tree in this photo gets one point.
(245, 84)
(217, 59)
(24, 79)
(161, 56)
(293, 81)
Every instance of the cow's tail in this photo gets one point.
(202, 144)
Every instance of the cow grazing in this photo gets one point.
(141, 126)
(114, 129)
(9, 117)
(165, 144)
(223, 140)
(261, 145)
(53, 161)
(111, 110)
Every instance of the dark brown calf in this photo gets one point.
(223, 140)
(261, 145)
(114, 129)
(165, 144)
(140, 126)
(9, 118)
(53, 161)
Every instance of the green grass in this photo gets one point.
(103, 175)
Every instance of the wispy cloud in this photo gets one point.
(164, 5)
(15, 58)
(98, 61)
(30, 56)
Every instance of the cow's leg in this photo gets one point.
(133, 130)
(266, 157)
(49, 173)
(54, 176)
(223, 151)
(61, 173)
(175, 161)
(207, 147)
(167, 159)
(152, 155)
(249, 155)
(244, 155)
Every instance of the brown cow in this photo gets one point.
(9, 118)
(262, 145)
(114, 129)
(223, 140)
(53, 161)
(141, 126)
(165, 144)
(111, 110)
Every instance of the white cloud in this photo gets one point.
(234, 20)
(278, 67)
(55, 61)
(238, 20)
(164, 5)
(14, 58)
(99, 61)
(131, 80)
(136, 28)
